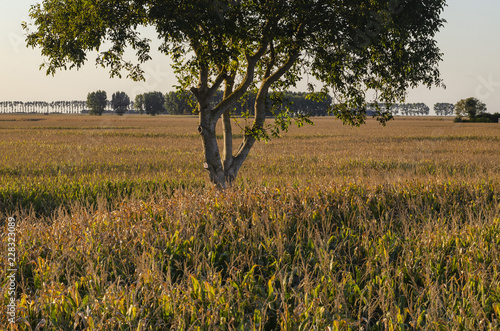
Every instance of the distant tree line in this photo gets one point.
(403, 109)
(184, 103)
(444, 109)
(65, 107)
(410, 109)
(151, 103)
(416, 109)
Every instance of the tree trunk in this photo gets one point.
(222, 171)
(213, 162)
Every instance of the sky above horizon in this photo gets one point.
(470, 41)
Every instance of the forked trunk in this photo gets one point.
(223, 171)
(210, 148)
(221, 174)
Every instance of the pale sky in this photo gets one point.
(470, 42)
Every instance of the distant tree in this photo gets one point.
(139, 103)
(394, 109)
(17, 106)
(154, 103)
(423, 108)
(470, 107)
(45, 106)
(413, 109)
(180, 103)
(444, 109)
(120, 102)
(310, 104)
(96, 101)
(373, 108)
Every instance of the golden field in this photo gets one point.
(328, 228)
(169, 148)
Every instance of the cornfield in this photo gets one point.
(327, 228)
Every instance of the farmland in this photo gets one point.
(327, 228)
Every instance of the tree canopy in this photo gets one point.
(154, 103)
(359, 50)
(470, 107)
(96, 101)
(179, 103)
(413, 109)
(139, 103)
(444, 109)
(120, 102)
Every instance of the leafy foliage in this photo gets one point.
(444, 109)
(96, 101)
(493, 118)
(470, 107)
(180, 103)
(120, 102)
(139, 103)
(154, 103)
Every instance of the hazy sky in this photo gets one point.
(470, 42)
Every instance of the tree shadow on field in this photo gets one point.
(45, 201)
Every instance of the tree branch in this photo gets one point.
(272, 61)
(224, 105)
(294, 55)
(226, 124)
(218, 81)
(260, 108)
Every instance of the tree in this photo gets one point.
(444, 109)
(470, 107)
(422, 108)
(139, 103)
(154, 103)
(376, 46)
(411, 109)
(311, 104)
(120, 102)
(180, 103)
(96, 101)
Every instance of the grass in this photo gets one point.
(328, 228)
